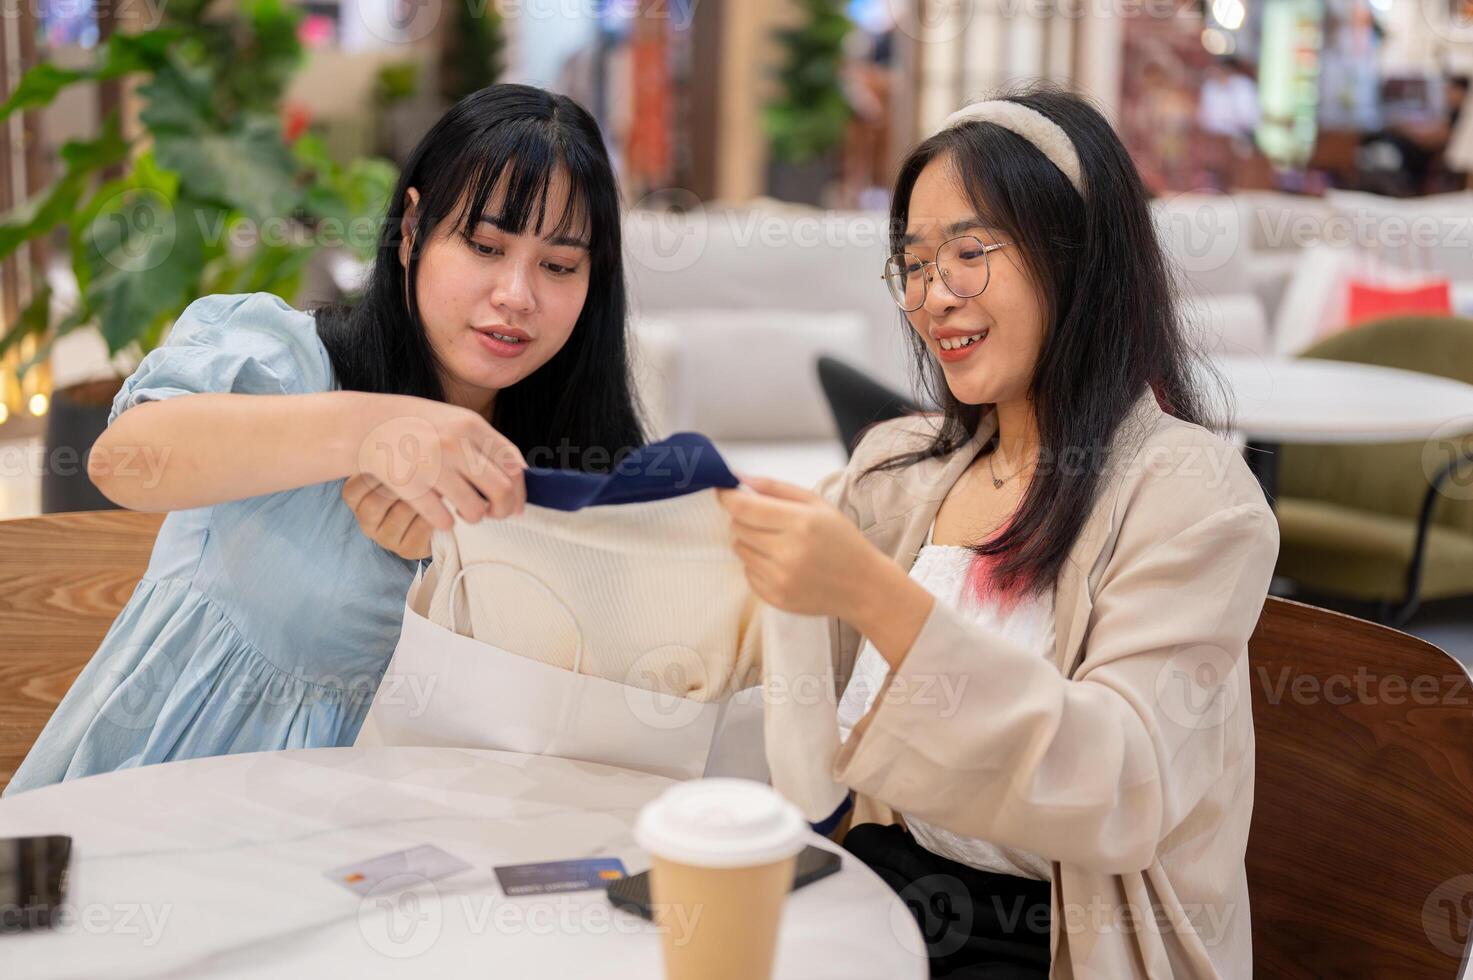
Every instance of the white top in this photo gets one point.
(942, 570)
(1310, 400)
(217, 868)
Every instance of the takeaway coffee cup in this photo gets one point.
(723, 853)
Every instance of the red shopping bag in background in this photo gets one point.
(1368, 301)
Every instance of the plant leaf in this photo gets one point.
(33, 320)
(152, 259)
(178, 98)
(348, 203)
(89, 155)
(59, 201)
(71, 322)
(39, 86)
(123, 54)
(127, 53)
(247, 167)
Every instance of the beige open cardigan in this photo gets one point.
(1128, 758)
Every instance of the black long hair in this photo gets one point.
(1112, 323)
(516, 137)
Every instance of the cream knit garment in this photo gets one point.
(647, 594)
(801, 718)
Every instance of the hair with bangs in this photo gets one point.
(511, 138)
(1112, 328)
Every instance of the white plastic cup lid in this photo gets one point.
(721, 823)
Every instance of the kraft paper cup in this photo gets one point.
(723, 856)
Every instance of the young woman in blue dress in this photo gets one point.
(315, 451)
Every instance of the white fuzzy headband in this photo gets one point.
(1032, 125)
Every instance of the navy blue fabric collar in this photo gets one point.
(685, 463)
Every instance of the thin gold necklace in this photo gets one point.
(997, 481)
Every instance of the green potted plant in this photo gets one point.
(211, 198)
(403, 115)
(471, 58)
(805, 125)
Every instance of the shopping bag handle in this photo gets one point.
(577, 629)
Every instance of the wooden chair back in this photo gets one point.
(1360, 857)
(63, 579)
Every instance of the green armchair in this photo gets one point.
(1389, 523)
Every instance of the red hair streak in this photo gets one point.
(982, 588)
(1158, 389)
(981, 584)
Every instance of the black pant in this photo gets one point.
(977, 925)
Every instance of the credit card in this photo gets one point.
(417, 864)
(549, 877)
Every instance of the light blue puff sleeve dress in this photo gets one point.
(263, 623)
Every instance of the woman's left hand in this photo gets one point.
(801, 554)
(386, 520)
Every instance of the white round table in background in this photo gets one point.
(1308, 400)
(215, 868)
(1317, 401)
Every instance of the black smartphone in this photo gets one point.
(632, 894)
(33, 873)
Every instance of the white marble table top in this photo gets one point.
(214, 868)
(1318, 401)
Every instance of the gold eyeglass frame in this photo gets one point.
(987, 249)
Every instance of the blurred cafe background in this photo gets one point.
(1310, 162)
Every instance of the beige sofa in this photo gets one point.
(732, 308)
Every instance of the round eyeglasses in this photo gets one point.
(962, 263)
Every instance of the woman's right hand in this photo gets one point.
(434, 456)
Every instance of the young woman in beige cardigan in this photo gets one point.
(1037, 601)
